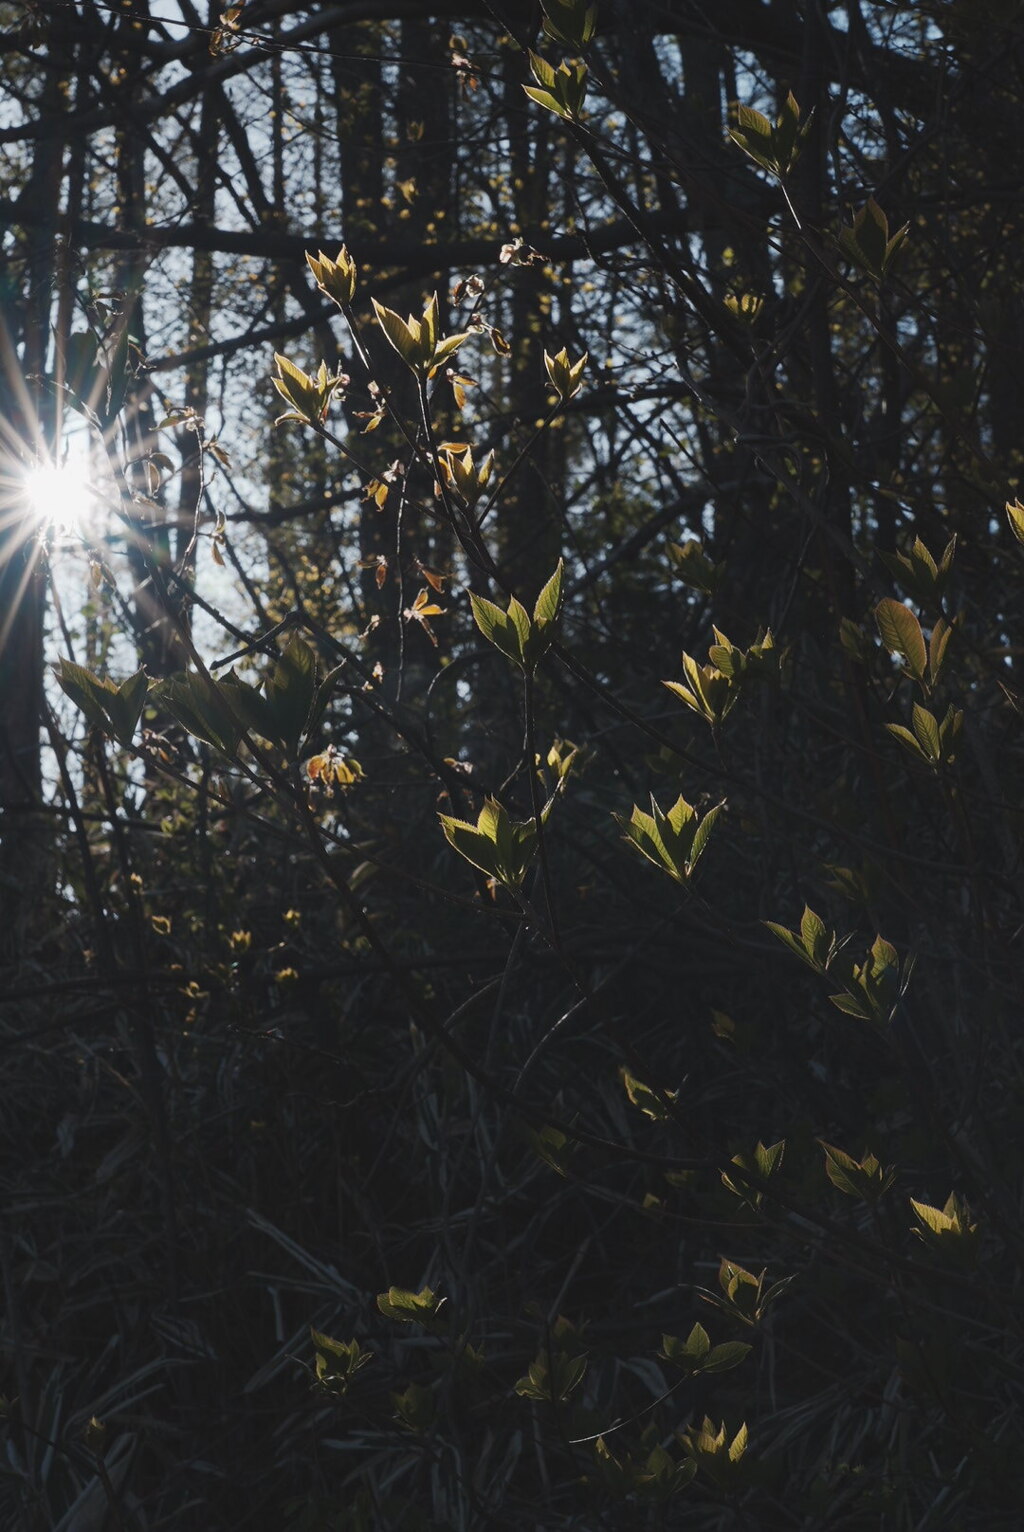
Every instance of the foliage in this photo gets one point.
(405, 1127)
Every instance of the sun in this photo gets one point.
(59, 496)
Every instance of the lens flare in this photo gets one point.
(58, 495)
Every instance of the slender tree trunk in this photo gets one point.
(27, 413)
(531, 527)
(149, 545)
(200, 300)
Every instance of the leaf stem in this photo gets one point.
(530, 762)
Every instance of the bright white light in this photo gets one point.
(59, 496)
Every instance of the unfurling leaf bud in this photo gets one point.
(566, 376)
(336, 278)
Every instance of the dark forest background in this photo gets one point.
(451, 1078)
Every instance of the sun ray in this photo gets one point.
(32, 558)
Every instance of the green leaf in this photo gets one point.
(471, 843)
(699, 1356)
(337, 1362)
(690, 1355)
(96, 379)
(497, 627)
(932, 1218)
(543, 72)
(754, 124)
(726, 1356)
(114, 709)
(490, 619)
(698, 1343)
(252, 709)
(710, 692)
(520, 619)
(814, 944)
(96, 383)
(907, 740)
(774, 147)
(570, 23)
(652, 1103)
(762, 1166)
(85, 690)
(446, 348)
(926, 730)
(949, 1231)
(700, 678)
(548, 605)
(842, 1170)
(853, 1006)
(727, 659)
(702, 835)
(408, 1307)
(499, 846)
(950, 730)
(715, 1454)
(815, 936)
(330, 1347)
(429, 325)
(566, 376)
(921, 557)
(202, 709)
(769, 1159)
(296, 388)
(290, 690)
(550, 1379)
(125, 706)
(863, 1179)
(545, 99)
(901, 634)
(336, 278)
(546, 612)
(694, 568)
(883, 955)
(673, 842)
(788, 938)
(416, 340)
(937, 646)
(522, 640)
(495, 823)
(868, 243)
(562, 90)
(1015, 514)
(405, 335)
(643, 832)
